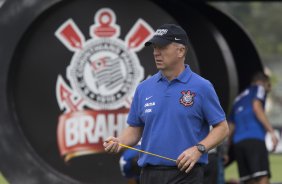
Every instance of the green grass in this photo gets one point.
(2, 179)
(275, 166)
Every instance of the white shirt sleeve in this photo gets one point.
(260, 92)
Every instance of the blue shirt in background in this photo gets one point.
(247, 126)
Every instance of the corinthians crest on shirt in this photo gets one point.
(187, 98)
(101, 78)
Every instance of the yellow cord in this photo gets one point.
(125, 146)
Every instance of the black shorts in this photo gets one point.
(171, 175)
(252, 159)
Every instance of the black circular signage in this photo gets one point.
(73, 77)
(69, 70)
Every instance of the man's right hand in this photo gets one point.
(111, 145)
(274, 141)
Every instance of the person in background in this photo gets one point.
(129, 167)
(214, 170)
(248, 125)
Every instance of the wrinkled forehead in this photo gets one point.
(158, 45)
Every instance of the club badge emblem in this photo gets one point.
(103, 74)
(187, 98)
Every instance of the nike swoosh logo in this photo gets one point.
(177, 39)
(148, 97)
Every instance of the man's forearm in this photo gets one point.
(260, 114)
(216, 135)
(131, 135)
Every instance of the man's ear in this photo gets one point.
(181, 52)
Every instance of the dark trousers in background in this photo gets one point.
(214, 170)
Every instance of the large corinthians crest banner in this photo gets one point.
(102, 76)
(73, 78)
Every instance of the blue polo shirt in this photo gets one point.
(175, 115)
(247, 126)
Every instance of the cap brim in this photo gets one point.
(158, 41)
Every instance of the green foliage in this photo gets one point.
(262, 21)
(2, 179)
